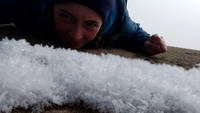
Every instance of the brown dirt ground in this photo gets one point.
(185, 58)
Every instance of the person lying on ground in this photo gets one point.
(81, 23)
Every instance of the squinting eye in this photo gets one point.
(66, 16)
(91, 25)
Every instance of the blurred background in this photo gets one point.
(177, 20)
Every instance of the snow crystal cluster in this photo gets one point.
(36, 75)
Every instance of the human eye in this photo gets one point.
(91, 25)
(66, 16)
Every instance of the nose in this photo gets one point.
(76, 33)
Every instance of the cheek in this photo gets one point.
(60, 24)
(92, 34)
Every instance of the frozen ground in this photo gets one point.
(38, 76)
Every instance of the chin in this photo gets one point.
(75, 46)
(72, 45)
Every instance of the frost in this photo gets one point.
(36, 75)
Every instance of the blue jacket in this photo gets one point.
(35, 16)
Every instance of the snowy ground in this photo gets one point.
(36, 76)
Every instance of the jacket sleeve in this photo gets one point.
(132, 35)
(8, 10)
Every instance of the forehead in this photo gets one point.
(77, 10)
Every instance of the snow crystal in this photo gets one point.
(197, 65)
(36, 75)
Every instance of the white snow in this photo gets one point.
(36, 76)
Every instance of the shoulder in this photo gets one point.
(122, 2)
(115, 18)
(122, 7)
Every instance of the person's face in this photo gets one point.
(76, 24)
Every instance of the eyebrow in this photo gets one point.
(92, 21)
(65, 11)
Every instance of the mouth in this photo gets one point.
(73, 44)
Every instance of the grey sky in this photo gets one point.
(177, 20)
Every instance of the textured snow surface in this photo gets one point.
(35, 76)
